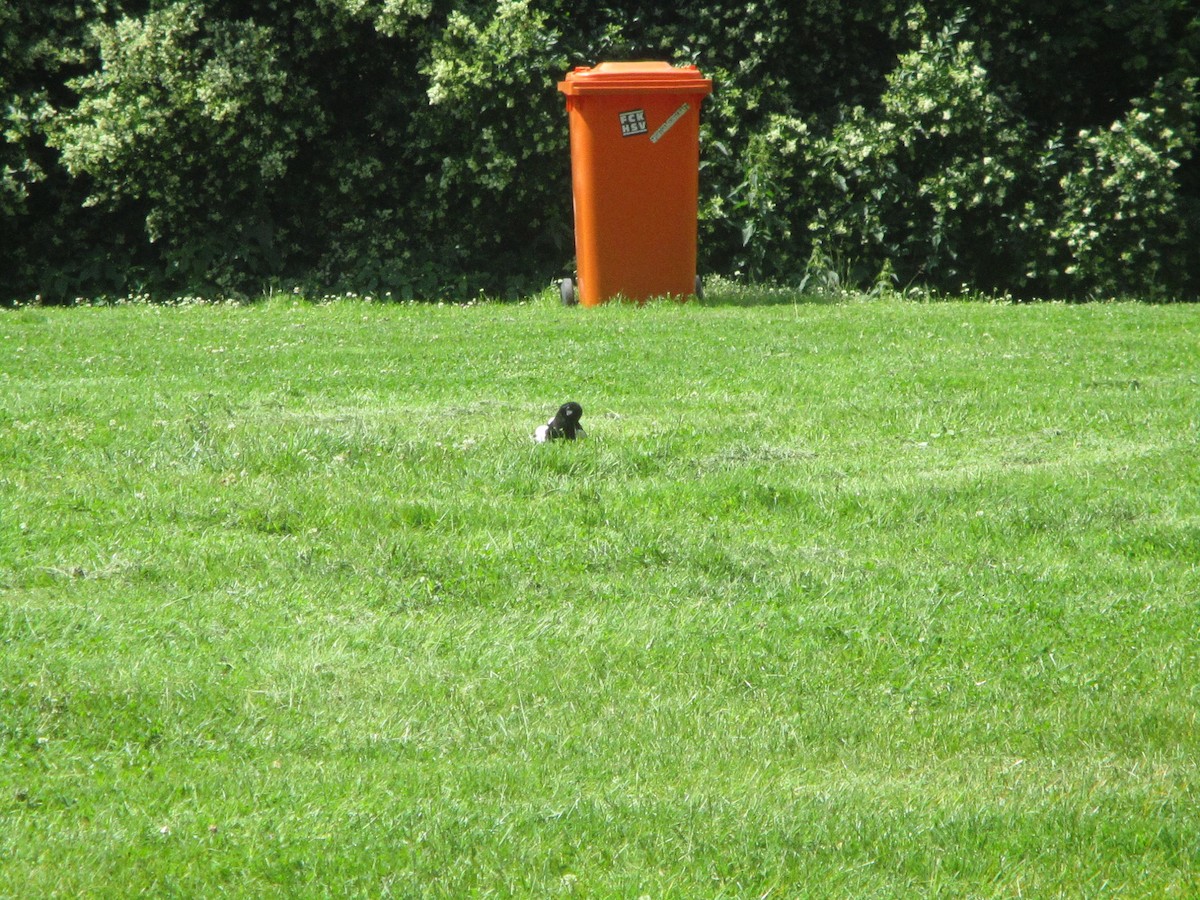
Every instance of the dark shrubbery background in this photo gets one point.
(419, 147)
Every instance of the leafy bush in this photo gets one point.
(193, 120)
(1123, 225)
(929, 184)
(418, 147)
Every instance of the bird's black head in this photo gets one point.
(566, 420)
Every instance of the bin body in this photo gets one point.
(635, 161)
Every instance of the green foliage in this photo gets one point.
(192, 119)
(48, 242)
(27, 48)
(928, 182)
(1123, 227)
(496, 126)
(943, 182)
(419, 146)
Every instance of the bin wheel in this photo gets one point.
(699, 288)
(566, 290)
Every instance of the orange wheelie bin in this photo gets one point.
(635, 169)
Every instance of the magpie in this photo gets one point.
(565, 424)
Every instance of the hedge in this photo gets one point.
(418, 148)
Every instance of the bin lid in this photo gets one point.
(635, 78)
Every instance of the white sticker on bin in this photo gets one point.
(633, 122)
(667, 125)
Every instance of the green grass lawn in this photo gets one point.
(866, 599)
